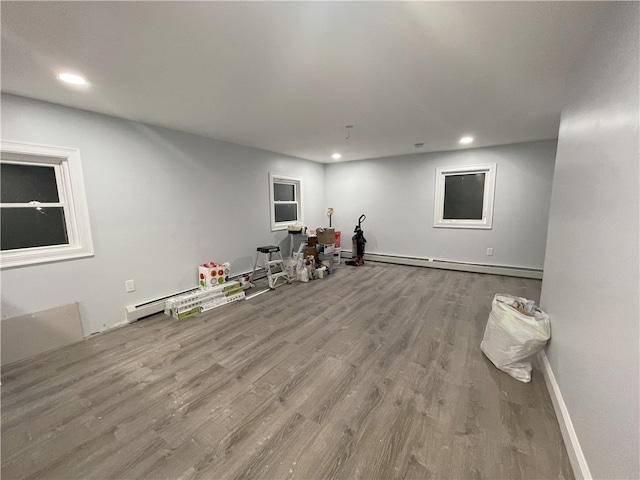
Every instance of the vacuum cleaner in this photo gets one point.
(357, 252)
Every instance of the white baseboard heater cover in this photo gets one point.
(134, 313)
(449, 265)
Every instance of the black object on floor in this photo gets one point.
(358, 241)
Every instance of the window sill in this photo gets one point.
(466, 224)
(25, 258)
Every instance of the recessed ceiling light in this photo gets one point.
(72, 78)
(465, 140)
(336, 156)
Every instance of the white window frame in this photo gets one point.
(487, 202)
(288, 179)
(72, 198)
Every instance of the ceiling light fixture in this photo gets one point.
(465, 140)
(336, 156)
(72, 79)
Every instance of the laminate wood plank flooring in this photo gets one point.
(372, 373)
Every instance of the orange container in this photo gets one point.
(338, 234)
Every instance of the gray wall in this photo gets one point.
(160, 202)
(397, 195)
(590, 286)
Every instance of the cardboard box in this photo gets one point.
(310, 251)
(327, 236)
(212, 274)
(327, 249)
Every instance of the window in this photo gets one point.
(43, 209)
(464, 196)
(286, 201)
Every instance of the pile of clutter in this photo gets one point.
(308, 268)
(214, 290)
(316, 258)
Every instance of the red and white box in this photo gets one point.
(213, 274)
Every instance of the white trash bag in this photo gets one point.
(512, 338)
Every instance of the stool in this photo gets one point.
(271, 260)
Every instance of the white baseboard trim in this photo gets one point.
(571, 442)
(119, 324)
(448, 265)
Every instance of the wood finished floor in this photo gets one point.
(372, 373)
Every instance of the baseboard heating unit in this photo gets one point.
(449, 265)
(133, 313)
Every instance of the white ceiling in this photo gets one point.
(288, 77)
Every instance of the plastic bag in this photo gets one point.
(301, 272)
(512, 338)
(291, 267)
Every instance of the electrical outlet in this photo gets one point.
(490, 252)
(130, 286)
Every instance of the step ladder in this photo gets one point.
(271, 260)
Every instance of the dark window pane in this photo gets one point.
(30, 227)
(284, 192)
(286, 212)
(463, 196)
(27, 183)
